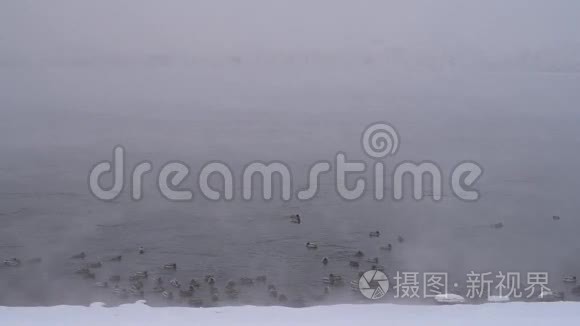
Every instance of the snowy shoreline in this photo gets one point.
(139, 313)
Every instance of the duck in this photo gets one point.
(400, 239)
(95, 265)
(116, 258)
(373, 260)
(137, 284)
(569, 279)
(359, 254)
(325, 260)
(333, 279)
(311, 245)
(168, 295)
(230, 284)
(498, 225)
(81, 255)
(246, 281)
(102, 284)
(261, 279)
(12, 262)
(295, 219)
(186, 293)
(194, 283)
(141, 250)
(354, 264)
(556, 218)
(388, 247)
(139, 276)
(195, 302)
(175, 283)
(172, 266)
(210, 279)
(375, 234)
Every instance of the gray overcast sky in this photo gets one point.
(134, 26)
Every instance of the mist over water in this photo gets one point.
(268, 80)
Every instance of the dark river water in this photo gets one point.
(521, 128)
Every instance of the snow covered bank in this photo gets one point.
(360, 315)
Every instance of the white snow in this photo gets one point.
(139, 314)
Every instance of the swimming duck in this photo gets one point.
(137, 284)
(353, 264)
(311, 245)
(116, 258)
(210, 279)
(168, 295)
(141, 250)
(324, 260)
(115, 278)
(196, 302)
(569, 279)
(375, 234)
(82, 255)
(400, 239)
(172, 266)
(359, 254)
(295, 219)
(230, 284)
(261, 279)
(12, 262)
(388, 247)
(102, 284)
(556, 218)
(186, 293)
(194, 283)
(333, 279)
(246, 281)
(373, 260)
(175, 283)
(498, 225)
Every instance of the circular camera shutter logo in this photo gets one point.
(373, 284)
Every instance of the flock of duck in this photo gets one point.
(195, 290)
